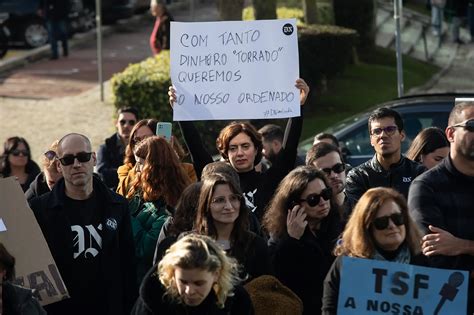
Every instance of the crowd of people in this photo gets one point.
(135, 229)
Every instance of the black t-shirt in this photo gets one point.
(84, 287)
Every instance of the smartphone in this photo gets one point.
(163, 129)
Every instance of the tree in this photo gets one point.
(310, 11)
(230, 10)
(265, 9)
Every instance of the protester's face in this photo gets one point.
(225, 205)
(51, 174)
(386, 144)
(125, 123)
(242, 152)
(194, 285)
(19, 156)
(140, 164)
(330, 164)
(462, 139)
(270, 149)
(432, 159)
(142, 133)
(320, 210)
(78, 174)
(392, 236)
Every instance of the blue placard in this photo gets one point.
(379, 287)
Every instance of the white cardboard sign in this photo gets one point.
(235, 70)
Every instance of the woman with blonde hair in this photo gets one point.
(45, 180)
(153, 195)
(304, 224)
(194, 277)
(379, 228)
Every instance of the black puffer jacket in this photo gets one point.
(371, 174)
(37, 187)
(20, 301)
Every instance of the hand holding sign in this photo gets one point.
(304, 90)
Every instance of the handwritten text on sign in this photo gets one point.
(235, 70)
(380, 287)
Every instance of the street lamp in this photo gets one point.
(397, 12)
(98, 20)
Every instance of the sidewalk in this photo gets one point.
(47, 99)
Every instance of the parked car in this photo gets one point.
(418, 112)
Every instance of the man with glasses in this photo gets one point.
(88, 230)
(327, 157)
(442, 199)
(110, 154)
(388, 167)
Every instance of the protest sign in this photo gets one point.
(22, 237)
(235, 69)
(379, 287)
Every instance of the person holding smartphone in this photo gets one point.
(304, 224)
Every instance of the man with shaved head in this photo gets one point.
(442, 199)
(88, 230)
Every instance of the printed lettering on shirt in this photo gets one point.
(250, 200)
(406, 179)
(87, 240)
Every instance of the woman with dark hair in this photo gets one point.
(429, 147)
(160, 37)
(240, 144)
(194, 277)
(153, 195)
(379, 228)
(304, 224)
(45, 180)
(14, 300)
(16, 161)
(126, 173)
(223, 215)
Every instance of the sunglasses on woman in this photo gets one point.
(314, 199)
(19, 152)
(82, 157)
(381, 223)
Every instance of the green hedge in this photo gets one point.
(324, 51)
(360, 16)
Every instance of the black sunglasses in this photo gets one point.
(82, 157)
(338, 169)
(313, 199)
(382, 223)
(17, 152)
(131, 122)
(469, 125)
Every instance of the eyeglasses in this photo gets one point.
(389, 131)
(338, 169)
(131, 122)
(82, 157)
(468, 125)
(18, 152)
(234, 200)
(313, 199)
(50, 155)
(381, 223)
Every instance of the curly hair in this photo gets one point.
(290, 190)
(204, 224)
(199, 252)
(129, 157)
(232, 130)
(10, 145)
(162, 175)
(357, 239)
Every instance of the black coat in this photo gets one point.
(20, 301)
(109, 157)
(118, 253)
(55, 9)
(152, 300)
(37, 187)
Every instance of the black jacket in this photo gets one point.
(37, 187)
(109, 157)
(333, 279)
(153, 301)
(20, 301)
(55, 9)
(371, 174)
(118, 254)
